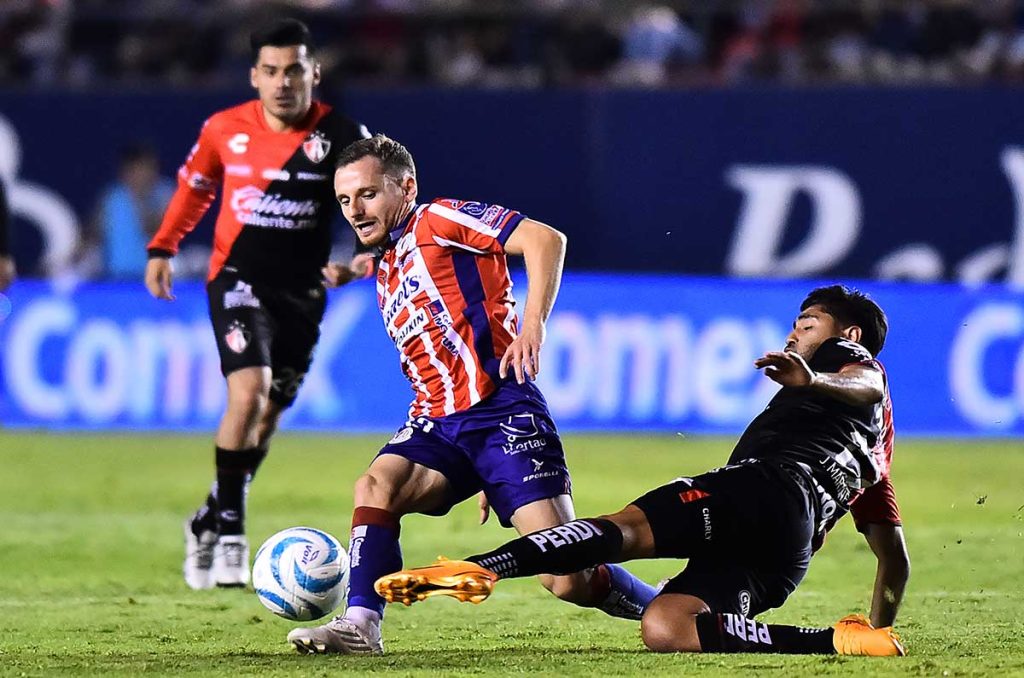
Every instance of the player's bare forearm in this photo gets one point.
(854, 384)
(892, 574)
(543, 249)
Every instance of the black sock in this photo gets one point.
(205, 519)
(234, 471)
(736, 633)
(563, 549)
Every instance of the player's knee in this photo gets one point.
(248, 399)
(374, 490)
(663, 631)
(570, 588)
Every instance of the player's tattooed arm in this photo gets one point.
(857, 384)
(543, 249)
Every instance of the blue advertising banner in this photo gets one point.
(657, 353)
(922, 184)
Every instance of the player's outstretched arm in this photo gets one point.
(543, 248)
(890, 548)
(857, 384)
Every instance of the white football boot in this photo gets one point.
(231, 561)
(198, 557)
(339, 636)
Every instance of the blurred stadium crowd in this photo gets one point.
(522, 43)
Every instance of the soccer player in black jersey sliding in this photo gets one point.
(749, 528)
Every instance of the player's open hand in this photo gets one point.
(337, 274)
(159, 278)
(523, 354)
(786, 368)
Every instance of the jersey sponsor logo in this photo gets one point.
(274, 174)
(241, 296)
(316, 146)
(253, 207)
(401, 436)
(310, 176)
(237, 337)
(239, 143)
(238, 170)
(519, 426)
(706, 515)
(406, 291)
(520, 430)
(563, 535)
(412, 328)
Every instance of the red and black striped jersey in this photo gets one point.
(277, 195)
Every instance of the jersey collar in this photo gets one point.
(398, 230)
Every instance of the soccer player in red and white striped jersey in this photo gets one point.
(477, 421)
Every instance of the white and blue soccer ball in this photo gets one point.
(301, 573)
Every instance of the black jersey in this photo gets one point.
(834, 440)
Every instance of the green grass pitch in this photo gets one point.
(90, 558)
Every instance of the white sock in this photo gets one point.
(363, 616)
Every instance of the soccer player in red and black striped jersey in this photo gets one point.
(748, 529)
(273, 160)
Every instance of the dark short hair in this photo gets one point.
(852, 307)
(395, 159)
(281, 33)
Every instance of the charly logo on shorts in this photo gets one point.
(237, 336)
(521, 431)
(401, 436)
(745, 603)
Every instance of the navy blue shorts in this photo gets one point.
(505, 445)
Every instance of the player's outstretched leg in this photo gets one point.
(683, 623)
(466, 581)
(563, 549)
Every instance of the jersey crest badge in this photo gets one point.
(316, 146)
(237, 336)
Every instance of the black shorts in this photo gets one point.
(259, 326)
(746, 529)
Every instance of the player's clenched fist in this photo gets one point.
(159, 276)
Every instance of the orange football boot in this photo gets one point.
(465, 581)
(854, 635)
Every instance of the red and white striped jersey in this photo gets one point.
(446, 299)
